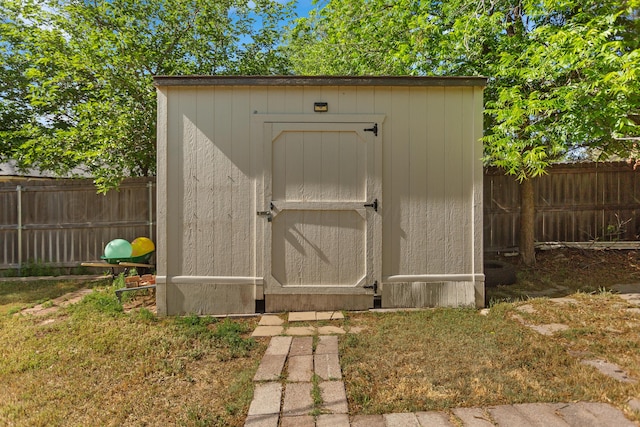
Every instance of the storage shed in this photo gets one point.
(318, 193)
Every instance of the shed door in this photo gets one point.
(321, 238)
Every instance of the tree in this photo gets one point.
(84, 70)
(563, 74)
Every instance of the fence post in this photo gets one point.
(19, 203)
(150, 187)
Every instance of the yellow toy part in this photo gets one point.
(142, 246)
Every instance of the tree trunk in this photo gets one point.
(527, 223)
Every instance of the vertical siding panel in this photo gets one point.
(400, 190)
(293, 100)
(311, 94)
(292, 172)
(312, 166)
(348, 100)
(223, 182)
(453, 182)
(276, 102)
(417, 166)
(365, 100)
(259, 104)
(477, 178)
(330, 154)
(175, 166)
(390, 232)
(206, 197)
(243, 195)
(190, 191)
(436, 182)
(469, 162)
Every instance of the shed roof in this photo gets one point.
(318, 81)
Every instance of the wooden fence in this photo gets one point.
(64, 222)
(575, 203)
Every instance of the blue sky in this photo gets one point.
(304, 6)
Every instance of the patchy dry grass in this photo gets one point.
(563, 272)
(444, 358)
(93, 364)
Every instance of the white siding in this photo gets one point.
(210, 178)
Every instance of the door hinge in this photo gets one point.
(373, 205)
(373, 286)
(373, 129)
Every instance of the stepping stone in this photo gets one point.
(329, 315)
(327, 366)
(329, 330)
(584, 414)
(540, 414)
(327, 345)
(270, 320)
(279, 346)
(301, 346)
(324, 315)
(401, 420)
(300, 421)
(333, 420)
(473, 417)
(548, 329)
(610, 369)
(434, 419)
(334, 397)
(301, 330)
(297, 399)
(270, 368)
(302, 316)
(355, 329)
(262, 421)
(267, 331)
(526, 308)
(266, 399)
(272, 363)
(634, 404)
(300, 368)
(564, 300)
(507, 415)
(368, 421)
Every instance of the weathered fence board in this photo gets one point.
(64, 222)
(574, 202)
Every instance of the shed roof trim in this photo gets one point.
(318, 81)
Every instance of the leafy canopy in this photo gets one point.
(76, 75)
(563, 74)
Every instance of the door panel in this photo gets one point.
(318, 177)
(318, 248)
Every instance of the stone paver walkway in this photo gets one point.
(297, 386)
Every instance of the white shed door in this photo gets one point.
(319, 178)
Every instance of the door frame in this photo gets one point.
(261, 125)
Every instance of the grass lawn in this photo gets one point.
(93, 364)
(445, 358)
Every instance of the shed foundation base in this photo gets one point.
(296, 302)
(423, 294)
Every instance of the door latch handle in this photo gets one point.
(373, 205)
(265, 213)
